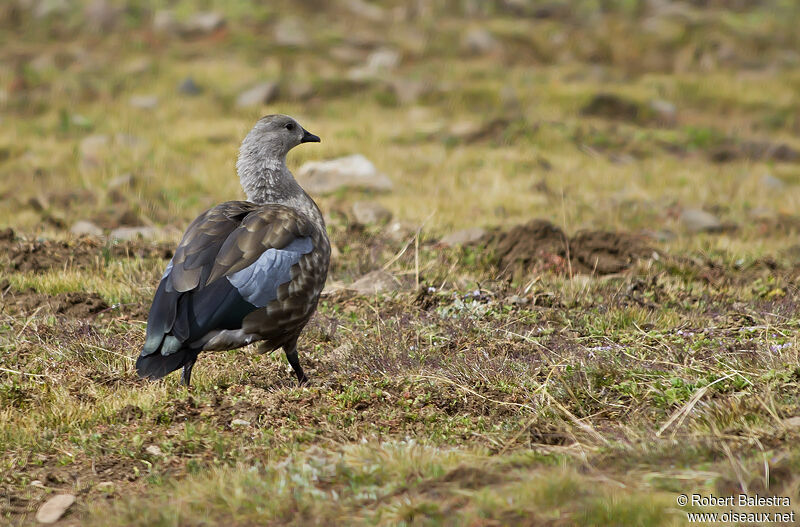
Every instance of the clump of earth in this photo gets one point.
(540, 245)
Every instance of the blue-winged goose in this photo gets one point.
(245, 271)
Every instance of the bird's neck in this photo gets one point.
(268, 180)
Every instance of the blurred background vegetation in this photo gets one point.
(618, 113)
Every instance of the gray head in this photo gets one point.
(262, 158)
(273, 136)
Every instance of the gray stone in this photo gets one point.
(300, 90)
(408, 91)
(259, 94)
(143, 102)
(347, 54)
(375, 282)
(378, 63)
(366, 10)
(101, 15)
(138, 65)
(85, 228)
(124, 180)
(792, 422)
(289, 32)
(664, 111)
(478, 41)
(463, 237)
(45, 8)
(772, 183)
(355, 171)
(93, 149)
(240, 422)
(54, 508)
(164, 21)
(133, 233)
(203, 23)
(370, 213)
(696, 220)
(154, 450)
(189, 87)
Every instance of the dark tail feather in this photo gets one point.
(157, 365)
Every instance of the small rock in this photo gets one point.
(399, 231)
(463, 237)
(123, 180)
(154, 450)
(45, 8)
(138, 65)
(54, 508)
(85, 228)
(240, 422)
(259, 94)
(355, 171)
(143, 102)
(370, 213)
(378, 62)
(792, 422)
(478, 41)
(300, 90)
(102, 15)
(408, 91)
(383, 59)
(203, 23)
(36, 482)
(374, 283)
(772, 183)
(289, 32)
(42, 62)
(132, 233)
(164, 21)
(347, 54)
(105, 486)
(366, 10)
(93, 149)
(665, 112)
(189, 87)
(696, 220)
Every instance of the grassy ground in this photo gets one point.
(473, 396)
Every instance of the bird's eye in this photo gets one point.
(289, 126)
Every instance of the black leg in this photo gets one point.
(186, 375)
(291, 354)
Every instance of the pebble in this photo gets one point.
(85, 228)
(375, 282)
(370, 213)
(54, 508)
(262, 93)
(354, 171)
(463, 237)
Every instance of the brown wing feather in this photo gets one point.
(198, 249)
(271, 226)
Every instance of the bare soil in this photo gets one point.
(540, 245)
(32, 255)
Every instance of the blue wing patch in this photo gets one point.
(259, 282)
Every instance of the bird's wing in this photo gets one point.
(231, 260)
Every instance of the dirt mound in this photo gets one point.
(539, 245)
(84, 253)
(74, 304)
